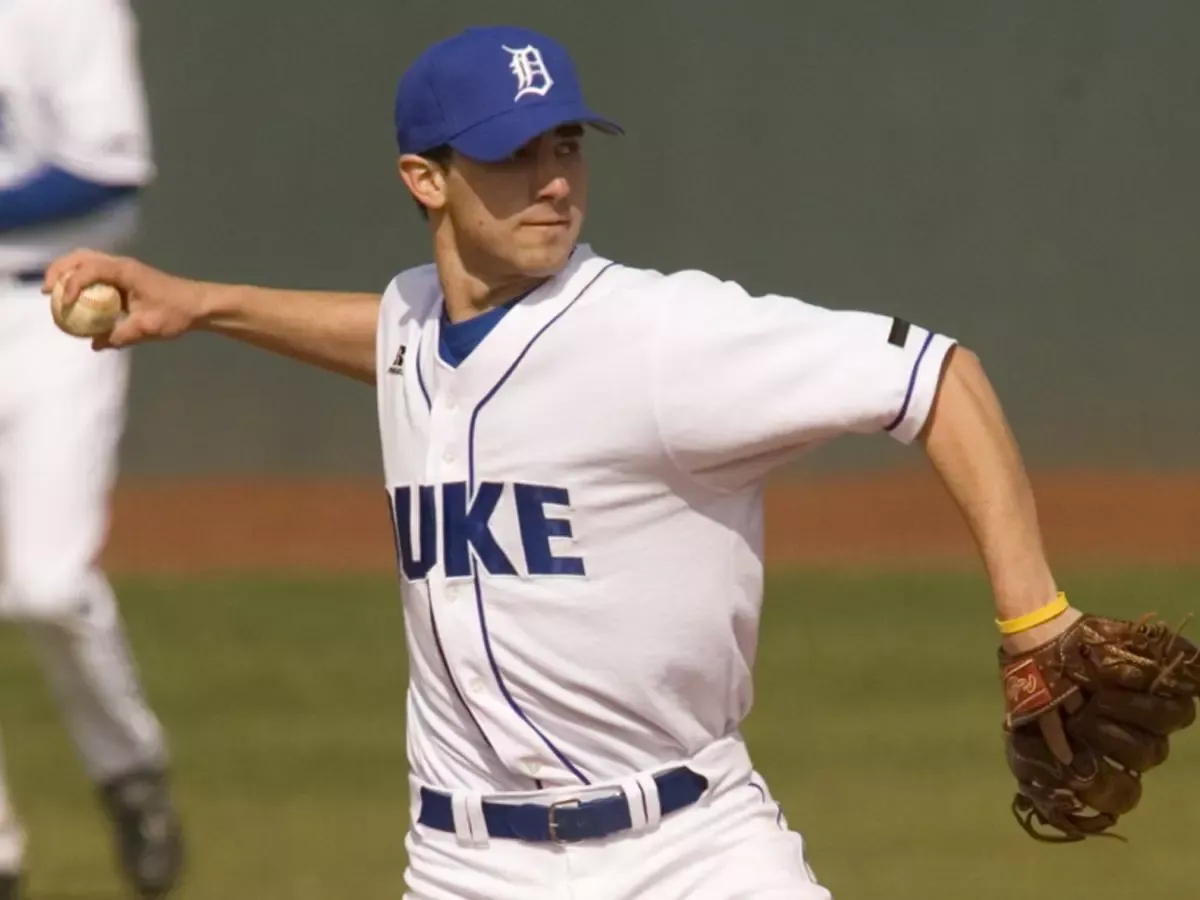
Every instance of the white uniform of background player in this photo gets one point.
(74, 148)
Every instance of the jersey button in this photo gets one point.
(475, 685)
(532, 767)
(448, 456)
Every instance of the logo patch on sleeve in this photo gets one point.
(899, 333)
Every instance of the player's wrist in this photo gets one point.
(1034, 617)
(1026, 632)
(212, 305)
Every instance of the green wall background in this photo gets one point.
(1022, 175)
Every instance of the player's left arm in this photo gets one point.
(1090, 701)
(968, 440)
(87, 75)
(751, 381)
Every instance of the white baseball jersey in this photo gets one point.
(578, 507)
(71, 96)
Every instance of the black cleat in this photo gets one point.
(10, 886)
(148, 833)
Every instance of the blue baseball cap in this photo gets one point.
(489, 91)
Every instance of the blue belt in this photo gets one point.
(566, 821)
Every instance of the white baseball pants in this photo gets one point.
(62, 409)
(733, 844)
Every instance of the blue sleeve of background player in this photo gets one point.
(51, 195)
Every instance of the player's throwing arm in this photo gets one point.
(335, 331)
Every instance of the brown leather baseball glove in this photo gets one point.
(1087, 714)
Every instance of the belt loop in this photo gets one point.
(648, 790)
(475, 818)
(633, 793)
(464, 827)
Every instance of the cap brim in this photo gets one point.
(505, 134)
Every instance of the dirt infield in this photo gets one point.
(895, 519)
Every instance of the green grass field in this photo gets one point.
(876, 724)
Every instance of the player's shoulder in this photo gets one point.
(412, 294)
(648, 285)
(690, 288)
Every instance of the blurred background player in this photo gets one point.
(74, 152)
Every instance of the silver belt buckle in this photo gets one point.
(552, 822)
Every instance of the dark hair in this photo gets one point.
(440, 155)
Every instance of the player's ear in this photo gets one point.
(425, 180)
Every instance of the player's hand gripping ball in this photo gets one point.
(93, 314)
(1088, 714)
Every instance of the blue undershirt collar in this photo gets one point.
(457, 340)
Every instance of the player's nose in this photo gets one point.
(556, 188)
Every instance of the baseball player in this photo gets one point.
(74, 153)
(574, 452)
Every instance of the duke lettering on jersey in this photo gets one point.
(647, 658)
(467, 527)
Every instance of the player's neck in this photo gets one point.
(470, 290)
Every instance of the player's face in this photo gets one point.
(521, 216)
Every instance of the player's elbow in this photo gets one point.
(962, 376)
(961, 357)
(962, 366)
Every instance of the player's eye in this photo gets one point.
(568, 148)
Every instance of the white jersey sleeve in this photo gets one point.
(743, 383)
(88, 72)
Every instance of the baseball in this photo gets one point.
(93, 314)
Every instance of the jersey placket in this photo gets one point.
(455, 601)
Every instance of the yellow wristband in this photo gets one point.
(1039, 616)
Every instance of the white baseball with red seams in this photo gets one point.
(94, 312)
(578, 523)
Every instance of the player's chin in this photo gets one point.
(544, 249)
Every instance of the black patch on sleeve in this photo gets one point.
(899, 333)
